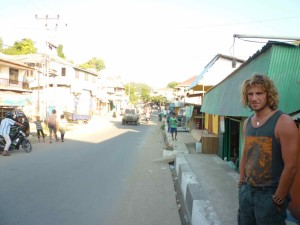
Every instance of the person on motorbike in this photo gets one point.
(5, 125)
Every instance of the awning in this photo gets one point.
(15, 99)
(201, 87)
(195, 83)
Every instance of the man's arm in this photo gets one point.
(287, 134)
(243, 159)
(19, 124)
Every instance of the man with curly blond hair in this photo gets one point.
(269, 161)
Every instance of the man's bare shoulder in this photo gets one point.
(286, 119)
(286, 125)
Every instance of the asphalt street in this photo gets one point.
(104, 173)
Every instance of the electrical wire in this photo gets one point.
(249, 22)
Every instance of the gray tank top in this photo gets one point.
(264, 163)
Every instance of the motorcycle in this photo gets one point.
(18, 138)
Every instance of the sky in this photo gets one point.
(154, 42)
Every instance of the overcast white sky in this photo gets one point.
(149, 41)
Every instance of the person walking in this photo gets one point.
(39, 128)
(62, 127)
(173, 126)
(5, 126)
(52, 125)
(269, 159)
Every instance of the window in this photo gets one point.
(29, 73)
(63, 71)
(130, 111)
(13, 76)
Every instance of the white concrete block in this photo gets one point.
(198, 213)
(179, 160)
(187, 178)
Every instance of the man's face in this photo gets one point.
(257, 98)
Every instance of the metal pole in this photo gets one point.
(38, 106)
(265, 37)
(203, 115)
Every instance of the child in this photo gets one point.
(39, 128)
(62, 127)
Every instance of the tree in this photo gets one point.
(138, 92)
(159, 100)
(130, 90)
(145, 94)
(60, 51)
(172, 84)
(94, 63)
(25, 46)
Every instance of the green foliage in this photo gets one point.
(131, 90)
(159, 100)
(145, 94)
(141, 92)
(60, 52)
(25, 46)
(172, 84)
(94, 63)
(138, 92)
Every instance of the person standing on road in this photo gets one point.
(62, 127)
(173, 126)
(52, 125)
(5, 125)
(39, 128)
(269, 161)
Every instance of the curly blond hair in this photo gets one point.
(267, 84)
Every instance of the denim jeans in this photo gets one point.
(256, 207)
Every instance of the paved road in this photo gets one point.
(102, 174)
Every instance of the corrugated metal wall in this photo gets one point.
(284, 70)
(225, 98)
(280, 62)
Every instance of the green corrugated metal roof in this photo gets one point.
(281, 62)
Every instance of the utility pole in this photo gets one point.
(47, 18)
(266, 37)
(48, 26)
(129, 93)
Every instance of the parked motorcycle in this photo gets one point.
(18, 138)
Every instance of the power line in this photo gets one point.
(246, 22)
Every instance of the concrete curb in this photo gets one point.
(199, 209)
